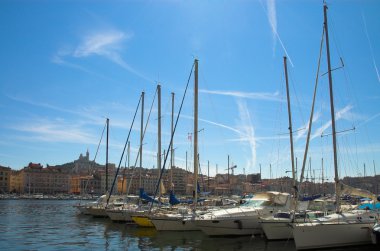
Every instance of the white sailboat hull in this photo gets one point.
(324, 235)
(244, 219)
(97, 211)
(82, 209)
(246, 225)
(120, 215)
(277, 230)
(174, 224)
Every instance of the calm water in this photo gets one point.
(55, 225)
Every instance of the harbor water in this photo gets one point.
(56, 225)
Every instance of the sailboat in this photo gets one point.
(98, 208)
(135, 212)
(182, 219)
(340, 228)
(132, 203)
(278, 226)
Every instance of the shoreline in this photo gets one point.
(46, 197)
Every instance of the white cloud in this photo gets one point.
(94, 114)
(214, 123)
(370, 119)
(248, 131)
(107, 44)
(271, 6)
(101, 43)
(341, 114)
(55, 131)
(371, 49)
(272, 18)
(250, 95)
(304, 129)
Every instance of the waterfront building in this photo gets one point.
(83, 176)
(180, 180)
(85, 184)
(49, 180)
(122, 184)
(16, 181)
(5, 173)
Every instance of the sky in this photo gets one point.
(66, 66)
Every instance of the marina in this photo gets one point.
(56, 225)
(155, 190)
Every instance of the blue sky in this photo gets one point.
(66, 65)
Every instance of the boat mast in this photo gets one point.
(171, 149)
(195, 133)
(159, 134)
(129, 153)
(141, 135)
(290, 131)
(323, 179)
(108, 122)
(337, 190)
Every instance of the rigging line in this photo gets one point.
(347, 130)
(279, 140)
(287, 133)
(311, 114)
(97, 149)
(138, 153)
(345, 73)
(96, 154)
(354, 97)
(125, 146)
(171, 137)
(296, 95)
(215, 113)
(124, 173)
(202, 176)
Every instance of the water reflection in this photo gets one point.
(55, 225)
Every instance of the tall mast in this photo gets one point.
(323, 179)
(208, 174)
(195, 132)
(108, 122)
(374, 168)
(290, 129)
(228, 170)
(141, 134)
(171, 148)
(159, 133)
(129, 153)
(337, 190)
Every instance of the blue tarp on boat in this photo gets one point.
(308, 198)
(174, 201)
(369, 206)
(146, 197)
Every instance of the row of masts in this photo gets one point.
(195, 133)
(159, 150)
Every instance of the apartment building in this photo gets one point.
(5, 173)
